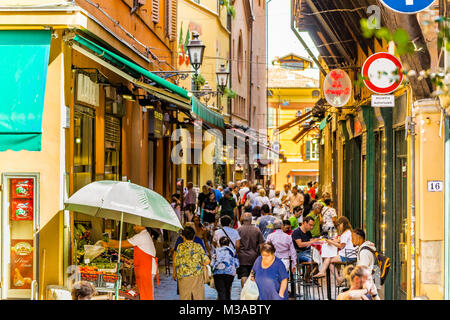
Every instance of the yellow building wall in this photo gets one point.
(209, 20)
(211, 24)
(299, 99)
(47, 163)
(430, 205)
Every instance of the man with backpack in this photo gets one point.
(368, 256)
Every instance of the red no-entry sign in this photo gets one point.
(382, 73)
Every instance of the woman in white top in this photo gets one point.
(276, 204)
(347, 252)
(145, 262)
(262, 199)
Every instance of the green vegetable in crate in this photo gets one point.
(81, 228)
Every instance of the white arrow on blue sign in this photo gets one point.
(408, 6)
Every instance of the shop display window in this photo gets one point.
(84, 138)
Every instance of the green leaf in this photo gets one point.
(401, 37)
(229, 93)
(367, 32)
(384, 33)
(231, 11)
(447, 46)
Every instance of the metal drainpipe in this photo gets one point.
(412, 133)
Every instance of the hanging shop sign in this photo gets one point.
(155, 124)
(382, 73)
(385, 100)
(87, 90)
(408, 6)
(337, 88)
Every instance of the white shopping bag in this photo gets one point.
(92, 252)
(250, 290)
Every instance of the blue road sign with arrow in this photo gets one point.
(408, 6)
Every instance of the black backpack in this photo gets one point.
(383, 262)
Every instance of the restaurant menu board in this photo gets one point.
(21, 273)
(22, 199)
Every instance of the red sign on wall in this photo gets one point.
(22, 199)
(21, 272)
(22, 209)
(22, 188)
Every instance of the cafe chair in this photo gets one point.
(339, 267)
(312, 288)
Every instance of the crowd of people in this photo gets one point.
(248, 231)
(260, 235)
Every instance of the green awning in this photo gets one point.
(118, 60)
(207, 114)
(23, 63)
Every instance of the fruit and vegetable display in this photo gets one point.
(106, 260)
(98, 264)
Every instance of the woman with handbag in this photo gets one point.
(190, 261)
(224, 263)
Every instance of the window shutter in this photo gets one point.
(308, 150)
(171, 19)
(155, 11)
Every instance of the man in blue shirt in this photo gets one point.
(217, 193)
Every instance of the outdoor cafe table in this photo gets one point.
(326, 251)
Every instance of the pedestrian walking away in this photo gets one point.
(224, 263)
(265, 223)
(227, 231)
(251, 239)
(189, 260)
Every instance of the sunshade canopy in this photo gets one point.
(141, 206)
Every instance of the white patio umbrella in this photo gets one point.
(125, 202)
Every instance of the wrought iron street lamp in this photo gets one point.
(195, 50)
(222, 78)
(207, 92)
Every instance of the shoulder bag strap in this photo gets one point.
(231, 241)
